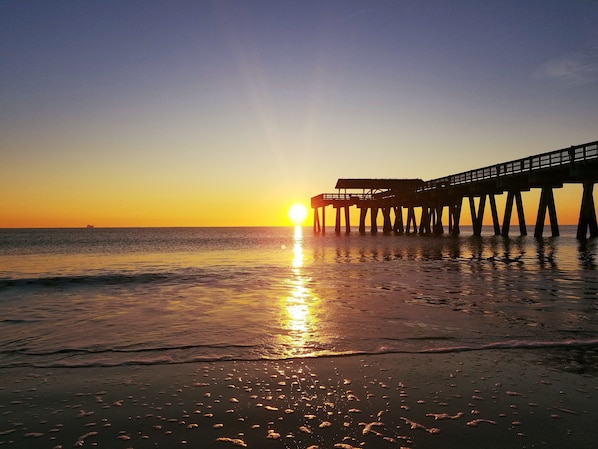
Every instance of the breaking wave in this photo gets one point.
(118, 357)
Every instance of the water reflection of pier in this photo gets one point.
(548, 171)
(465, 253)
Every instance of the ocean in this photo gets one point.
(153, 296)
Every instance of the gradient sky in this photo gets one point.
(197, 113)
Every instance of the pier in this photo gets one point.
(390, 198)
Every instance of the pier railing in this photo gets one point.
(351, 197)
(567, 156)
(342, 197)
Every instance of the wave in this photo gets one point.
(120, 357)
(198, 276)
(516, 344)
(119, 350)
(17, 321)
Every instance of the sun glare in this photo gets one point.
(297, 214)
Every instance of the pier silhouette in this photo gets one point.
(577, 164)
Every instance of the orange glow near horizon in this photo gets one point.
(51, 208)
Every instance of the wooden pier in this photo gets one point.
(548, 171)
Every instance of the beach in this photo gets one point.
(492, 399)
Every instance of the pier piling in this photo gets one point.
(546, 202)
(587, 214)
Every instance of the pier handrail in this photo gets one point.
(342, 196)
(566, 156)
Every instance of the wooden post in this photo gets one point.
(323, 219)
(539, 229)
(546, 202)
(494, 214)
(481, 209)
(347, 220)
(337, 224)
(477, 218)
(362, 214)
(520, 215)
(374, 219)
(587, 213)
(438, 229)
(554, 224)
(424, 224)
(317, 227)
(387, 228)
(514, 195)
(411, 220)
(508, 210)
(398, 227)
(455, 212)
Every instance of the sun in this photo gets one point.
(297, 214)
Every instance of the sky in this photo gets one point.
(224, 113)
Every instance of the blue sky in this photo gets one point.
(224, 112)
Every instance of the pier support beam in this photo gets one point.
(398, 227)
(363, 211)
(546, 202)
(387, 228)
(494, 214)
(374, 220)
(477, 217)
(587, 214)
(520, 214)
(347, 220)
(513, 195)
(317, 226)
(424, 224)
(338, 224)
(437, 228)
(323, 220)
(411, 220)
(455, 217)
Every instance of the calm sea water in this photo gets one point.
(103, 297)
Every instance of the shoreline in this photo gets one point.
(543, 397)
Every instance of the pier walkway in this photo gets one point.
(548, 171)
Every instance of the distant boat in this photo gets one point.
(90, 226)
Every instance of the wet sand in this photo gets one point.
(491, 399)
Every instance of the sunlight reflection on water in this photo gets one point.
(299, 318)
